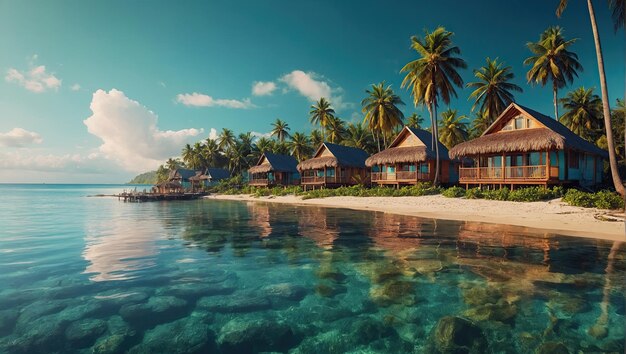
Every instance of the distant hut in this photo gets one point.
(410, 159)
(208, 177)
(168, 187)
(525, 147)
(274, 170)
(334, 165)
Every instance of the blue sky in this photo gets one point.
(97, 91)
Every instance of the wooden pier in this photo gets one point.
(139, 197)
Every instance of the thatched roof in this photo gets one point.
(182, 173)
(399, 154)
(343, 156)
(553, 136)
(170, 185)
(276, 163)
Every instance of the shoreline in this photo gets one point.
(552, 216)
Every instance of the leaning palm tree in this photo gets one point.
(606, 108)
(280, 129)
(300, 146)
(493, 91)
(433, 76)
(552, 61)
(583, 113)
(336, 129)
(415, 121)
(452, 128)
(320, 113)
(359, 137)
(226, 139)
(381, 110)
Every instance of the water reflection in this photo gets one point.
(119, 247)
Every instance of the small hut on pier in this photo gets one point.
(525, 147)
(168, 187)
(334, 165)
(274, 170)
(197, 179)
(410, 159)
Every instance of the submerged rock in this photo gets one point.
(329, 291)
(552, 348)
(35, 311)
(158, 309)
(8, 319)
(195, 290)
(286, 291)
(110, 344)
(240, 336)
(236, 303)
(187, 335)
(457, 335)
(393, 292)
(500, 311)
(83, 333)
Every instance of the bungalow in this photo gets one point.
(525, 147)
(334, 165)
(274, 170)
(411, 159)
(192, 179)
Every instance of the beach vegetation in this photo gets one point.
(454, 192)
(601, 200)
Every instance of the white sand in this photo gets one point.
(554, 216)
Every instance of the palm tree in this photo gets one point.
(493, 92)
(433, 76)
(198, 156)
(280, 147)
(280, 129)
(188, 155)
(359, 137)
(316, 138)
(162, 174)
(211, 152)
(480, 123)
(172, 164)
(415, 121)
(226, 139)
(583, 113)
(551, 61)
(381, 110)
(299, 145)
(320, 112)
(452, 128)
(606, 108)
(336, 129)
(238, 157)
(264, 144)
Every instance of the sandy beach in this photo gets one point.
(554, 215)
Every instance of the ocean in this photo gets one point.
(87, 274)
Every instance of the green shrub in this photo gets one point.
(497, 194)
(473, 193)
(600, 200)
(530, 194)
(454, 192)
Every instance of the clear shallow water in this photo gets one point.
(89, 274)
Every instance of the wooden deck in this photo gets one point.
(150, 197)
(535, 174)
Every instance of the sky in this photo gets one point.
(99, 91)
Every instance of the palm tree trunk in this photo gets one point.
(384, 140)
(377, 140)
(556, 105)
(436, 136)
(617, 181)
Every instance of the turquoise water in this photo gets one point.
(92, 274)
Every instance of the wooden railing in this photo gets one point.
(328, 179)
(259, 182)
(400, 176)
(503, 173)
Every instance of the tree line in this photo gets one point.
(432, 79)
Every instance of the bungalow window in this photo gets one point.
(574, 160)
(330, 172)
(391, 169)
(424, 167)
(519, 123)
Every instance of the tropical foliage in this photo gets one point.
(381, 110)
(583, 113)
(552, 61)
(452, 128)
(321, 112)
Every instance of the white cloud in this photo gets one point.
(213, 134)
(36, 79)
(258, 135)
(75, 87)
(260, 88)
(313, 87)
(307, 85)
(201, 100)
(130, 134)
(18, 137)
